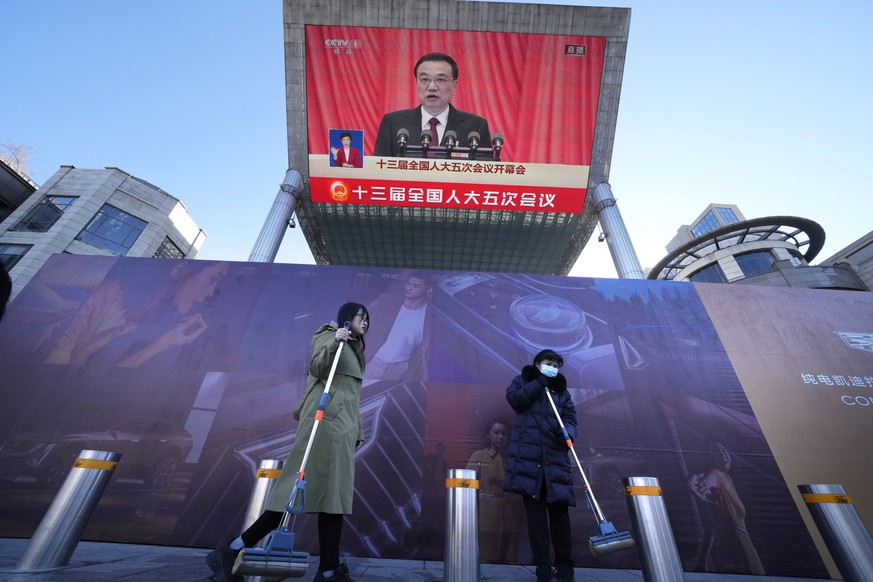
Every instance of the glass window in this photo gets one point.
(727, 215)
(756, 262)
(169, 250)
(710, 274)
(11, 254)
(112, 230)
(862, 255)
(713, 220)
(42, 216)
(796, 259)
(706, 224)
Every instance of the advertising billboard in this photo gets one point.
(731, 397)
(530, 100)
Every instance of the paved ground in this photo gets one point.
(92, 562)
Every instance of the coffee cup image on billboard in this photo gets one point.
(435, 124)
(346, 155)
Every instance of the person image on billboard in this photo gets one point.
(727, 537)
(402, 348)
(436, 80)
(498, 533)
(346, 156)
(121, 325)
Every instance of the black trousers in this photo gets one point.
(330, 530)
(548, 522)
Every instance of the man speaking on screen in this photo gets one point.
(436, 79)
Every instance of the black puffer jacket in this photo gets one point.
(537, 449)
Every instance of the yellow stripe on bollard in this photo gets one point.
(632, 490)
(267, 473)
(463, 483)
(81, 463)
(826, 498)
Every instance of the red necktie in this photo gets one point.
(433, 129)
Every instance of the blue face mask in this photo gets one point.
(548, 371)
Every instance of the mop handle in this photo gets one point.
(588, 491)
(319, 413)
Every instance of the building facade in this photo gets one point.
(858, 256)
(713, 217)
(95, 212)
(720, 246)
(15, 187)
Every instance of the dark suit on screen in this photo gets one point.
(461, 122)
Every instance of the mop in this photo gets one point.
(277, 557)
(609, 540)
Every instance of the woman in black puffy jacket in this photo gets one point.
(538, 463)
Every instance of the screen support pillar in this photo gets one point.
(627, 265)
(267, 244)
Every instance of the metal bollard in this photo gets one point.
(842, 529)
(58, 533)
(656, 546)
(265, 478)
(461, 555)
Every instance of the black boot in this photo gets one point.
(565, 574)
(544, 573)
(340, 574)
(220, 561)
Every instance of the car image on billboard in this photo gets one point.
(152, 451)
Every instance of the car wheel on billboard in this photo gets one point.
(161, 474)
(610, 482)
(58, 469)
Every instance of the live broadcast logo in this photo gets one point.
(576, 50)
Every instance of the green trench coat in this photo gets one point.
(330, 469)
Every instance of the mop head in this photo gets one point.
(259, 562)
(609, 540)
(278, 558)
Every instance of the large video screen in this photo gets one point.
(530, 101)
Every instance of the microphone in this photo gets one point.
(451, 139)
(473, 139)
(497, 144)
(402, 138)
(426, 138)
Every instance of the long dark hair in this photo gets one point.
(348, 311)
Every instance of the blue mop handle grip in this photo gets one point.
(297, 499)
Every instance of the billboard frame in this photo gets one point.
(611, 23)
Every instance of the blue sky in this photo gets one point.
(761, 103)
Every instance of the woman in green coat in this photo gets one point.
(330, 470)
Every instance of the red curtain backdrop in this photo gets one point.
(542, 100)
